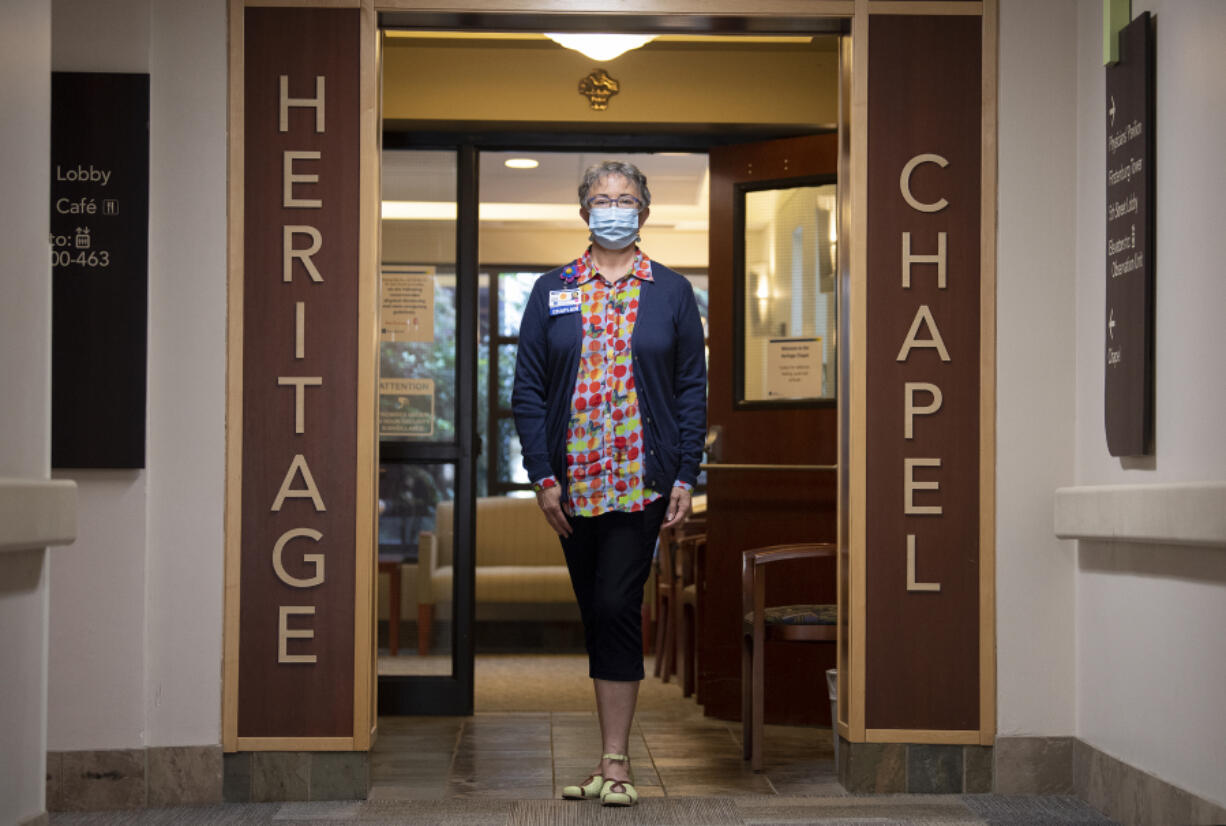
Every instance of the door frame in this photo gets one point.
(850, 18)
(453, 695)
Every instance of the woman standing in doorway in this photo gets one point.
(610, 405)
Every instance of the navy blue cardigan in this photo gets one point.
(670, 376)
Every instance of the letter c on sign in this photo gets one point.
(904, 183)
(316, 560)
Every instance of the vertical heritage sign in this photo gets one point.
(923, 437)
(1128, 403)
(300, 356)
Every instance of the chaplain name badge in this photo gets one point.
(564, 301)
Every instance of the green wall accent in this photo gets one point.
(1116, 15)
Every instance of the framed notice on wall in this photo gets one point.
(407, 304)
(794, 368)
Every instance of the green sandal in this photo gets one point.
(618, 792)
(587, 790)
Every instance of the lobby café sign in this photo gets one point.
(923, 393)
(299, 400)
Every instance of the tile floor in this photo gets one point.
(515, 756)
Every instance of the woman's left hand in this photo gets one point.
(678, 507)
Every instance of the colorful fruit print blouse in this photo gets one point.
(604, 437)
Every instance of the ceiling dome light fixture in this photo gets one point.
(601, 47)
(521, 163)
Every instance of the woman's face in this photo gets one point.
(613, 187)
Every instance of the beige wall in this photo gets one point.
(135, 608)
(25, 397)
(678, 83)
(1151, 656)
(423, 242)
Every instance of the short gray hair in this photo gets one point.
(598, 172)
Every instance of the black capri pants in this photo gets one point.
(609, 558)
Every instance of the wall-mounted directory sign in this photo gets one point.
(1128, 398)
(99, 246)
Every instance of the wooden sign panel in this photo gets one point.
(923, 444)
(300, 357)
(100, 268)
(1128, 403)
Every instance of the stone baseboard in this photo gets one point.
(133, 778)
(87, 781)
(1034, 765)
(914, 768)
(1135, 797)
(1067, 765)
(268, 776)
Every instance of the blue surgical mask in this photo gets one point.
(614, 228)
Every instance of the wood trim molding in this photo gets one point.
(844, 499)
(364, 677)
(926, 8)
(969, 737)
(697, 8)
(297, 744)
(858, 487)
(987, 382)
(234, 386)
(301, 4)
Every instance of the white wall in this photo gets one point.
(97, 664)
(25, 391)
(1151, 651)
(136, 613)
(1035, 380)
(98, 618)
(187, 369)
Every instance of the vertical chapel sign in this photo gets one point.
(298, 505)
(925, 437)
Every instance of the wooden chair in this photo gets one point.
(795, 623)
(669, 584)
(390, 564)
(690, 558)
(666, 604)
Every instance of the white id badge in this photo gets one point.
(564, 301)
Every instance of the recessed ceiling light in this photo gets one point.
(600, 47)
(521, 163)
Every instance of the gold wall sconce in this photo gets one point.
(598, 87)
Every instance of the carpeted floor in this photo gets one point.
(531, 682)
(883, 810)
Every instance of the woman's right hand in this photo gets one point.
(550, 501)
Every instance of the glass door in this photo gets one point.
(427, 431)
